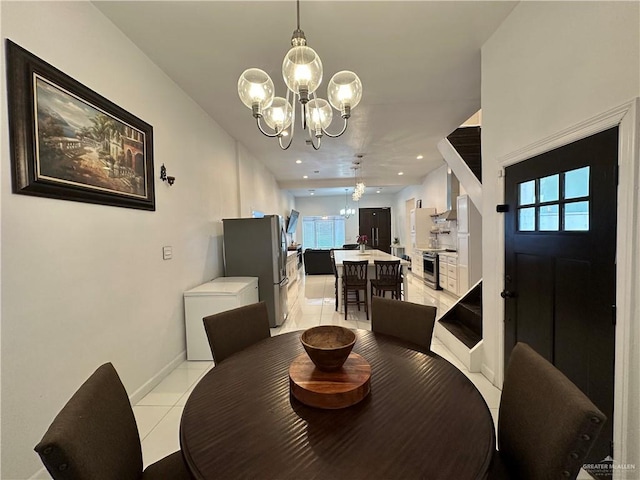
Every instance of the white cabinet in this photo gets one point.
(448, 273)
(469, 244)
(292, 275)
(219, 295)
(463, 264)
(292, 267)
(417, 267)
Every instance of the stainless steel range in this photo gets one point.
(431, 269)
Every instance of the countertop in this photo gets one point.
(371, 255)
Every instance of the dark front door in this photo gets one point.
(560, 238)
(375, 223)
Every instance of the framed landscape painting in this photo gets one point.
(70, 143)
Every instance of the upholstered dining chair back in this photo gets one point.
(405, 320)
(234, 330)
(95, 437)
(546, 425)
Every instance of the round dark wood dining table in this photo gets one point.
(423, 419)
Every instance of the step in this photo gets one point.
(466, 335)
(471, 358)
(468, 315)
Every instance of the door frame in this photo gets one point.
(627, 336)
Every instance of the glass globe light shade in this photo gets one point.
(302, 68)
(278, 115)
(319, 113)
(255, 87)
(344, 89)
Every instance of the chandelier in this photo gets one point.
(358, 190)
(302, 73)
(347, 212)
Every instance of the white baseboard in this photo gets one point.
(149, 385)
(40, 475)
(489, 374)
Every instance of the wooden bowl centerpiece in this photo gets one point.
(328, 346)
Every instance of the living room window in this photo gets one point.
(323, 232)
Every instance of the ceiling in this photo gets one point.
(419, 63)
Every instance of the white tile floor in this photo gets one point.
(158, 413)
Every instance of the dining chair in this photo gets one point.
(387, 278)
(354, 280)
(405, 320)
(546, 425)
(233, 330)
(95, 437)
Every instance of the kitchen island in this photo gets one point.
(369, 255)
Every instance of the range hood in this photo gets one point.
(453, 190)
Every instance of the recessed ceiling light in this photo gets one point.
(298, 161)
(312, 193)
(419, 157)
(377, 191)
(400, 173)
(306, 176)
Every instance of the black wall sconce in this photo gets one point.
(164, 177)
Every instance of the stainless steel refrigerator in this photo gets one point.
(257, 247)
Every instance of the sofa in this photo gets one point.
(317, 262)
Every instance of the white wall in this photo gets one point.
(86, 284)
(548, 67)
(259, 189)
(433, 193)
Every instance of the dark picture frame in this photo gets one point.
(68, 142)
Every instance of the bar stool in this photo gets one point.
(335, 275)
(354, 279)
(388, 279)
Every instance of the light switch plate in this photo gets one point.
(167, 253)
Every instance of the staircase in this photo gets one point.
(460, 329)
(464, 320)
(466, 140)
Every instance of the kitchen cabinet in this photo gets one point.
(448, 273)
(417, 267)
(292, 267)
(469, 244)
